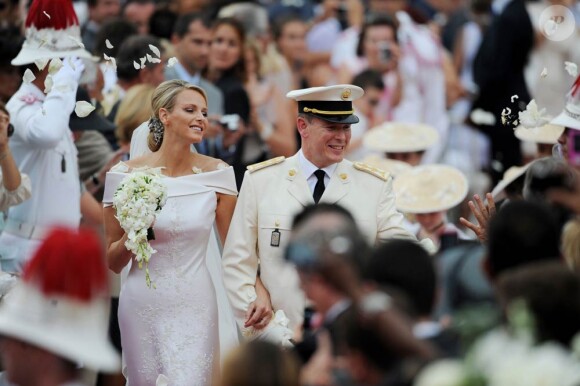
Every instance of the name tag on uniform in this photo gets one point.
(275, 238)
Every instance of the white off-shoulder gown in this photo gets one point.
(179, 328)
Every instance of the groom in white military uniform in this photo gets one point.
(275, 190)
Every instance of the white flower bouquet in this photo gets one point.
(137, 200)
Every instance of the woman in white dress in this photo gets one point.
(177, 330)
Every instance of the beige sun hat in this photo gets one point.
(510, 175)
(391, 166)
(547, 134)
(430, 188)
(398, 137)
(61, 303)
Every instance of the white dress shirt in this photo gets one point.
(308, 168)
(186, 76)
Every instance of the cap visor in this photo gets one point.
(349, 119)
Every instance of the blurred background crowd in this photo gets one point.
(501, 297)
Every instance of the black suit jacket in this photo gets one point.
(499, 65)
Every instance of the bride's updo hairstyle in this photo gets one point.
(164, 97)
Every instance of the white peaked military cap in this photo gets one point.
(332, 103)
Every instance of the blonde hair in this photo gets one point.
(164, 97)
(133, 112)
(571, 244)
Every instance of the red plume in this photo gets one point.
(68, 263)
(57, 14)
(575, 87)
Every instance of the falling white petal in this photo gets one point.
(41, 63)
(77, 41)
(55, 65)
(48, 84)
(28, 76)
(155, 50)
(108, 44)
(172, 62)
(143, 60)
(481, 117)
(162, 380)
(533, 117)
(136, 65)
(544, 73)
(83, 108)
(571, 68)
(514, 97)
(550, 27)
(46, 14)
(151, 59)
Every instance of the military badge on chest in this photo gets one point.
(275, 237)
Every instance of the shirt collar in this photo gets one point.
(185, 75)
(308, 168)
(336, 309)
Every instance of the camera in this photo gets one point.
(230, 121)
(385, 52)
(10, 130)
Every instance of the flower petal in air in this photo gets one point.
(155, 50)
(28, 76)
(172, 62)
(571, 68)
(55, 65)
(83, 108)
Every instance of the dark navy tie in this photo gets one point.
(319, 187)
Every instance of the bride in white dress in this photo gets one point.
(178, 330)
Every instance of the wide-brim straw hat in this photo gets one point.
(391, 166)
(429, 189)
(510, 175)
(547, 134)
(398, 137)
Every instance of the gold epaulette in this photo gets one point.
(371, 170)
(265, 164)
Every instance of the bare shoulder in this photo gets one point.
(139, 162)
(208, 164)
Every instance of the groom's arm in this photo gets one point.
(240, 256)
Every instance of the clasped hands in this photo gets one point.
(259, 313)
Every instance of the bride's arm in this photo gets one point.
(117, 254)
(223, 214)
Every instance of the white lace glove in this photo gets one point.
(71, 70)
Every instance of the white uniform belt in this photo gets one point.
(26, 230)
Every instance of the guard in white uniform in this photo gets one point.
(275, 190)
(42, 144)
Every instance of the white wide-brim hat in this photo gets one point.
(391, 166)
(71, 329)
(429, 189)
(510, 175)
(48, 43)
(547, 134)
(398, 137)
(570, 116)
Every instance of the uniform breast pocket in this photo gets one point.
(274, 235)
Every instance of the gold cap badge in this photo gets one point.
(345, 94)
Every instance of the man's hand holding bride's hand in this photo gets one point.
(259, 312)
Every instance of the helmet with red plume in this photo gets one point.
(61, 303)
(52, 31)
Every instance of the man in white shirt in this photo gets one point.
(275, 190)
(42, 144)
